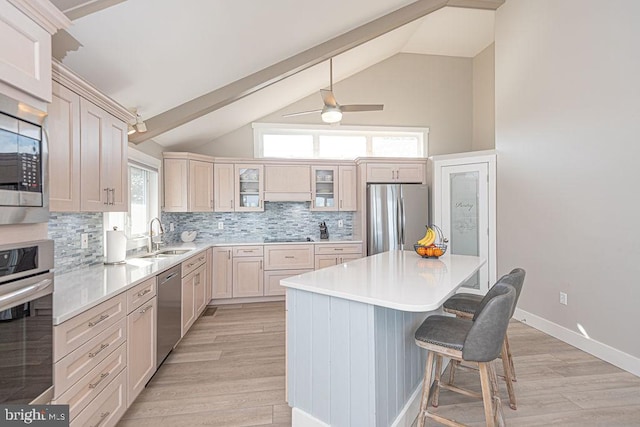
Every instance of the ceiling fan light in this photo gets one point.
(331, 115)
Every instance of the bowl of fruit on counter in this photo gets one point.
(433, 244)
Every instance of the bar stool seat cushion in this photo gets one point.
(445, 331)
(466, 303)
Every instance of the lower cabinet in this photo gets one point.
(222, 273)
(248, 277)
(272, 281)
(194, 293)
(107, 408)
(336, 253)
(141, 350)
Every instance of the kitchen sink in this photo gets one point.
(167, 253)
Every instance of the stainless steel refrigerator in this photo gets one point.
(396, 216)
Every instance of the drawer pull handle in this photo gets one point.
(102, 376)
(289, 256)
(143, 293)
(338, 249)
(95, 353)
(103, 417)
(144, 310)
(201, 259)
(101, 319)
(191, 264)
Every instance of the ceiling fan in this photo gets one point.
(332, 111)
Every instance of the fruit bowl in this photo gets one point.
(435, 250)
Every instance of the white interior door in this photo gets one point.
(465, 216)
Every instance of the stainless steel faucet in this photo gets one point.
(151, 243)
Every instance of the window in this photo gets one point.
(343, 142)
(143, 200)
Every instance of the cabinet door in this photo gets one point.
(141, 347)
(381, 172)
(94, 122)
(175, 185)
(410, 173)
(323, 261)
(114, 165)
(188, 302)
(208, 275)
(223, 195)
(347, 188)
(249, 188)
(272, 281)
(199, 290)
(290, 183)
(222, 273)
(324, 188)
(248, 277)
(64, 150)
(200, 186)
(347, 258)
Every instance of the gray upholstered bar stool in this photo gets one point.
(478, 341)
(465, 305)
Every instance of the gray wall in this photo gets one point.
(567, 126)
(416, 90)
(484, 100)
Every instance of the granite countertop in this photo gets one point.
(400, 280)
(80, 290)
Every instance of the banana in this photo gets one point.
(429, 238)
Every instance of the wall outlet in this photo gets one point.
(563, 298)
(84, 240)
(220, 225)
(340, 223)
(172, 227)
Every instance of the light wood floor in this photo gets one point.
(229, 371)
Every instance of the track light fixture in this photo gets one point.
(139, 125)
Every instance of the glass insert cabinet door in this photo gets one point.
(465, 215)
(325, 186)
(249, 188)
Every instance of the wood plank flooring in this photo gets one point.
(229, 371)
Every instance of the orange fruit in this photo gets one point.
(429, 251)
(422, 251)
(437, 252)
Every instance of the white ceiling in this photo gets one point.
(156, 55)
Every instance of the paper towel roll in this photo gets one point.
(116, 246)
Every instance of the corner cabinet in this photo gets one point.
(188, 183)
(222, 273)
(333, 188)
(88, 148)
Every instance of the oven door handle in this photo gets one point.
(23, 295)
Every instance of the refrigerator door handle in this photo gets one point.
(403, 222)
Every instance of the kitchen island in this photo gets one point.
(351, 356)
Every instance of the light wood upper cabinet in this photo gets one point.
(334, 188)
(249, 188)
(103, 164)
(287, 183)
(64, 150)
(200, 186)
(176, 175)
(222, 277)
(347, 179)
(223, 181)
(396, 172)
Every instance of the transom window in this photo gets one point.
(343, 142)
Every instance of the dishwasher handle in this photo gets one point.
(169, 277)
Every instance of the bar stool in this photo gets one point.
(478, 341)
(465, 305)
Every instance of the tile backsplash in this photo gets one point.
(282, 219)
(65, 229)
(279, 219)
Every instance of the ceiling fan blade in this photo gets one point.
(328, 98)
(361, 107)
(301, 113)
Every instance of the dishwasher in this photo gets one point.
(169, 311)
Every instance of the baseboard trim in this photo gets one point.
(299, 418)
(602, 351)
(407, 416)
(225, 301)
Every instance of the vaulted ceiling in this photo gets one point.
(176, 61)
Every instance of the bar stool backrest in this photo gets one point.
(484, 340)
(514, 278)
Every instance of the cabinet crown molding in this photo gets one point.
(44, 13)
(74, 82)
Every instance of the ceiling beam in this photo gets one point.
(84, 8)
(252, 83)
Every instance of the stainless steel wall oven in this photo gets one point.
(26, 322)
(24, 196)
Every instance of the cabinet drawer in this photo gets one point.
(84, 391)
(78, 330)
(247, 251)
(107, 408)
(272, 280)
(291, 257)
(72, 368)
(140, 294)
(349, 248)
(194, 262)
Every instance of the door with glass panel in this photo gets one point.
(324, 182)
(464, 216)
(249, 187)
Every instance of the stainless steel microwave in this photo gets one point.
(24, 195)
